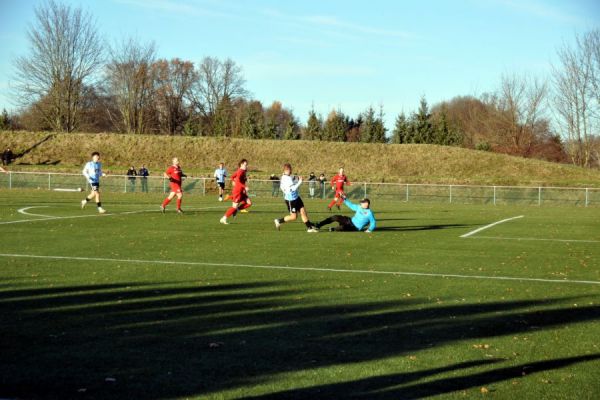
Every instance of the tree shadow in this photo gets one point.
(34, 146)
(177, 339)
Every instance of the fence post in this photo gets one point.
(494, 195)
(450, 194)
(203, 187)
(539, 195)
(164, 185)
(365, 189)
(586, 196)
(49, 184)
(407, 192)
(10, 180)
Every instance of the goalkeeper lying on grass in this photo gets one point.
(362, 217)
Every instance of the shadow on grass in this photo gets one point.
(170, 340)
(431, 227)
(34, 146)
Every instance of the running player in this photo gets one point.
(337, 184)
(363, 216)
(220, 175)
(289, 186)
(239, 192)
(92, 172)
(175, 175)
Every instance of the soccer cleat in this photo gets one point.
(179, 211)
(329, 208)
(338, 208)
(220, 199)
(83, 203)
(227, 197)
(101, 210)
(277, 224)
(312, 230)
(162, 209)
(244, 211)
(223, 220)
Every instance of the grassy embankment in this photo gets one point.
(363, 162)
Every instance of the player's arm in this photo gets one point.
(350, 205)
(372, 223)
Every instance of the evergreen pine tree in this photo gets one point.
(423, 128)
(291, 130)
(314, 125)
(367, 129)
(401, 133)
(252, 122)
(379, 129)
(335, 127)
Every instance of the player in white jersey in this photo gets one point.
(220, 175)
(92, 172)
(289, 186)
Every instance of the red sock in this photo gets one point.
(179, 204)
(244, 205)
(165, 202)
(332, 203)
(230, 211)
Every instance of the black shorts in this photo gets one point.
(294, 206)
(221, 185)
(95, 186)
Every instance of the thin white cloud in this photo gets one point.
(329, 21)
(336, 26)
(540, 10)
(174, 7)
(292, 70)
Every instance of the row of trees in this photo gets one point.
(71, 81)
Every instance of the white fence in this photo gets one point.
(462, 194)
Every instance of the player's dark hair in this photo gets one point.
(95, 154)
(243, 160)
(365, 200)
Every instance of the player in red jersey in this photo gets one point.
(337, 184)
(175, 175)
(239, 192)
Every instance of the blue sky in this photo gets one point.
(337, 54)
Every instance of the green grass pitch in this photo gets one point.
(141, 305)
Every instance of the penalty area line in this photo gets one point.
(489, 226)
(282, 267)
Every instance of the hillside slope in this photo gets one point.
(368, 162)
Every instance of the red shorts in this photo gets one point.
(339, 193)
(175, 187)
(239, 196)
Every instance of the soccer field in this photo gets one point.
(136, 304)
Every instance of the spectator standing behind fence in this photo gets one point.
(322, 181)
(312, 183)
(143, 174)
(275, 188)
(7, 156)
(131, 173)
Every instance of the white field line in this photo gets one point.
(538, 239)
(24, 211)
(489, 226)
(281, 267)
(50, 218)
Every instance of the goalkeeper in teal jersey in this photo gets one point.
(363, 216)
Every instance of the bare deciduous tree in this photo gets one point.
(65, 53)
(520, 105)
(130, 82)
(576, 96)
(217, 80)
(174, 81)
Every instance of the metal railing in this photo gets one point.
(407, 192)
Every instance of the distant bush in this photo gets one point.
(483, 146)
